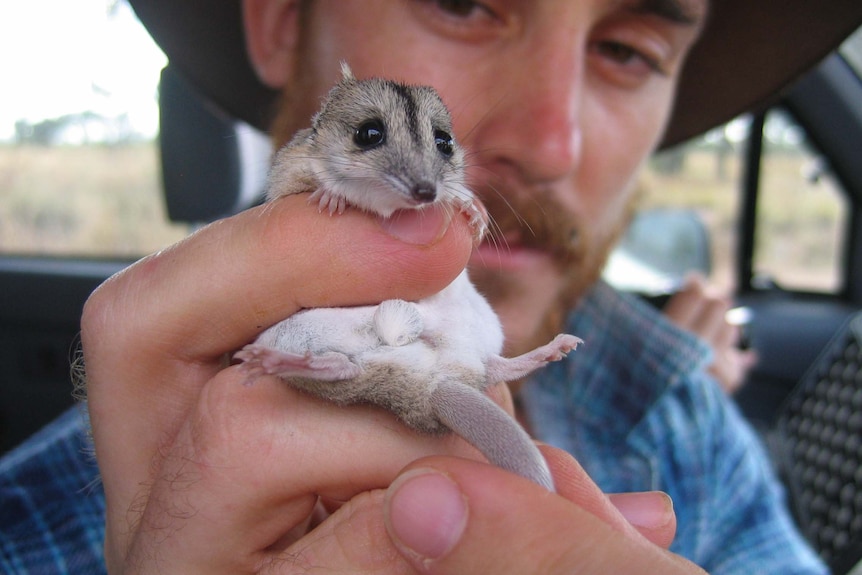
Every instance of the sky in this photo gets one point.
(62, 57)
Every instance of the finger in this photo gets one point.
(732, 367)
(685, 305)
(572, 483)
(726, 335)
(352, 540)
(457, 516)
(698, 310)
(710, 322)
(651, 514)
(260, 266)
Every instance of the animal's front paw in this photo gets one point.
(477, 215)
(327, 201)
(478, 221)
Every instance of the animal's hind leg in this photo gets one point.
(328, 366)
(501, 369)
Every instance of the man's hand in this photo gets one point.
(702, 311)
(206, 471)
(447, 515)
(198, 463)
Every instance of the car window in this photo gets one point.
(79, 168)
(80, 174)
(801, 219)
(802, 214)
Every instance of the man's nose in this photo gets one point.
(535, 125)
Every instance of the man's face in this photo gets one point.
(558, 102)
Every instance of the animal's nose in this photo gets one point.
(424, 192)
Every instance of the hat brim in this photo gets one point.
(749, 51)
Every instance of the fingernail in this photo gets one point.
(426, 513)
(418, 226)
(652, 509)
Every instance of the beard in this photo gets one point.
(578, 251)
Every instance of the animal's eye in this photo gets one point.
(444, 142)
(370, 134)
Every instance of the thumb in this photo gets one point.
(351, 540)
(458, 516)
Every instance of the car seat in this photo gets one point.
(819, 450)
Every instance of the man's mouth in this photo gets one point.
(508, 255)
(526, 231)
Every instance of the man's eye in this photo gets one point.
(628, 56)
(462, 19)
(461, 8)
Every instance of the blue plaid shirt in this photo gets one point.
(52, 506)
(633, 404)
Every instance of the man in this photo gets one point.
(558, 103)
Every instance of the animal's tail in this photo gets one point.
(485, 425)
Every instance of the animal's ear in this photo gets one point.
(346, 73)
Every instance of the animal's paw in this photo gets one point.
(476, 214)
(328, 201)
(329, 366)
(500, 369)
(561, 346)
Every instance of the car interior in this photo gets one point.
(805, 392)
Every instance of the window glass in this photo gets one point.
(79, 169)
(851, 50)
(801, 212)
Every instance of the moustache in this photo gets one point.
(535, 221)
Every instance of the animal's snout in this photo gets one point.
(424, 192)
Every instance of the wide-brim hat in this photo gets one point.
(749, 51)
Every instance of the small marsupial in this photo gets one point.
(383, 146)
